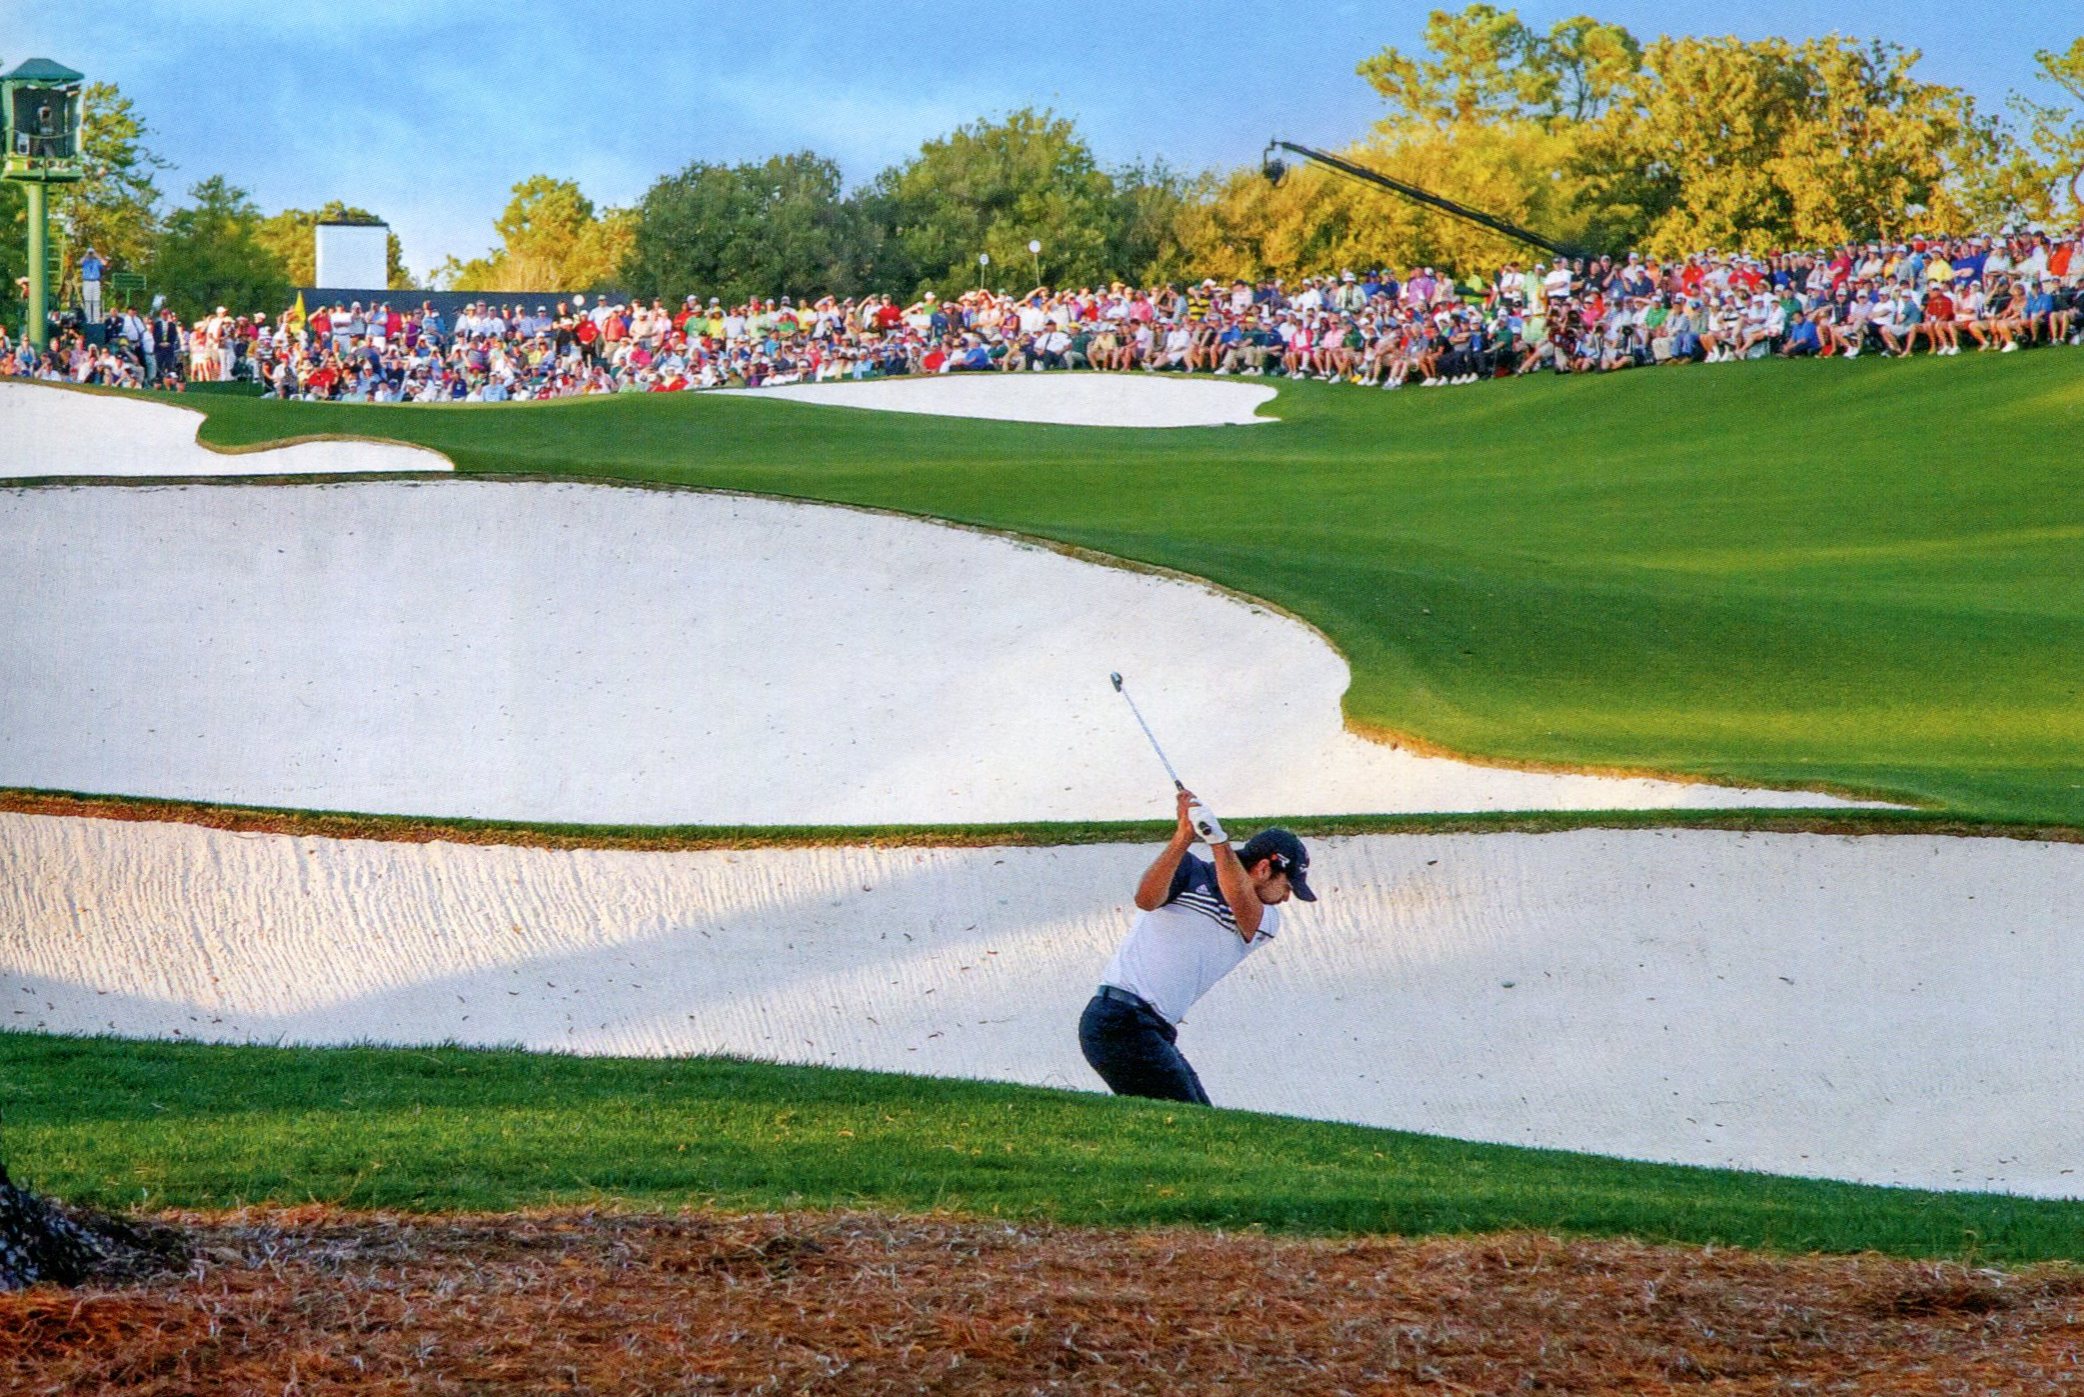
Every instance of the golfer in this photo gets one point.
(1197, 921)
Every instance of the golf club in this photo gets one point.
(1177, 784)
(1205, 822)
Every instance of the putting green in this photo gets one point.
(1862, 576)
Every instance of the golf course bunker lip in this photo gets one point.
(589, 654)
(48, 430)
(1058, 398)
(1892, 1009)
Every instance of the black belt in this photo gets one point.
(1121, 996)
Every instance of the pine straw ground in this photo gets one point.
(312, 1301)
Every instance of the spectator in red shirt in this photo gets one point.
(1942, 335)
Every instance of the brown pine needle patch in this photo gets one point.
(313, 1301)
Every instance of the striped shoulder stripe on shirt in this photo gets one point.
(1208, 905)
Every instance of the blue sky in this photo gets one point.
(428, 112)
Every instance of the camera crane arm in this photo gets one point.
(1273, 168)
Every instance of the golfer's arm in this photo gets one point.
(1156, 884)
(1237, 891)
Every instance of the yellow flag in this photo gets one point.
(294, 320)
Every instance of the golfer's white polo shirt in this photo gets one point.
(1176, 952)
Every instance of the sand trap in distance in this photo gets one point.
(569, 652)
(1063, 398)
(47, 430)
(1888, 1009)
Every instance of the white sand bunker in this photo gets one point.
(47, 430)
(1064, 399)
(588, 653)
(1898, 1010)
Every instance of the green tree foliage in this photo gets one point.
(115, 210)
(14, 255)
(778, 227)
(1150, 221)
(551, 238)
(993, 187)
(2043, 175)
(785, 226)
(211, 254)
(292, 236)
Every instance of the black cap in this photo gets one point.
(1288, 854)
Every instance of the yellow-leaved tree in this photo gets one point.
(551, 238)
(1765, 144)
(2043, 174)
(1315, 221)
(1495, 115)
(1586, 135)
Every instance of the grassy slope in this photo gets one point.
(183, 1125)
(1867, 575)
(1859, 574)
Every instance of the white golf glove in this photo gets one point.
(1206, 824)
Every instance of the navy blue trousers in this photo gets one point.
(1132, 1048)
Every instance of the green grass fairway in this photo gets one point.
(1866, 576)
(183, 1125)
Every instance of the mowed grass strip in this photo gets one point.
(339, 824)
(1864, 576)
(161, 1125)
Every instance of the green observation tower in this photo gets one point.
(40, 120)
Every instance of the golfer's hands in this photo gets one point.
(1197, 821)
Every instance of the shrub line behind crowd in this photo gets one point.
(1995, 293)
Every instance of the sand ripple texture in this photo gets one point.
(1889, 1009)
(1062, 399)
(615, 655)
(47, 430)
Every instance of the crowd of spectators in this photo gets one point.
(1996, 293)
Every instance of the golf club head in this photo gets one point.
(1117, 682)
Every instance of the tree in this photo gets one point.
(551, 239)
(211, 254)
(1684, 143)
(1150, 218)
(1770, 144)
(292, 236)
(1489, 66)
(115, 210)
(1705, 132)
(1314, 221)
(785, 226)
(14, 253)
(1584, 67)
(1484, 67)
(1875, 144)
(776, 228)
(1253, 229)
(1509, 120)
(994, 187)
(2036, 178)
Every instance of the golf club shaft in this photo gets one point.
(1177, 784)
